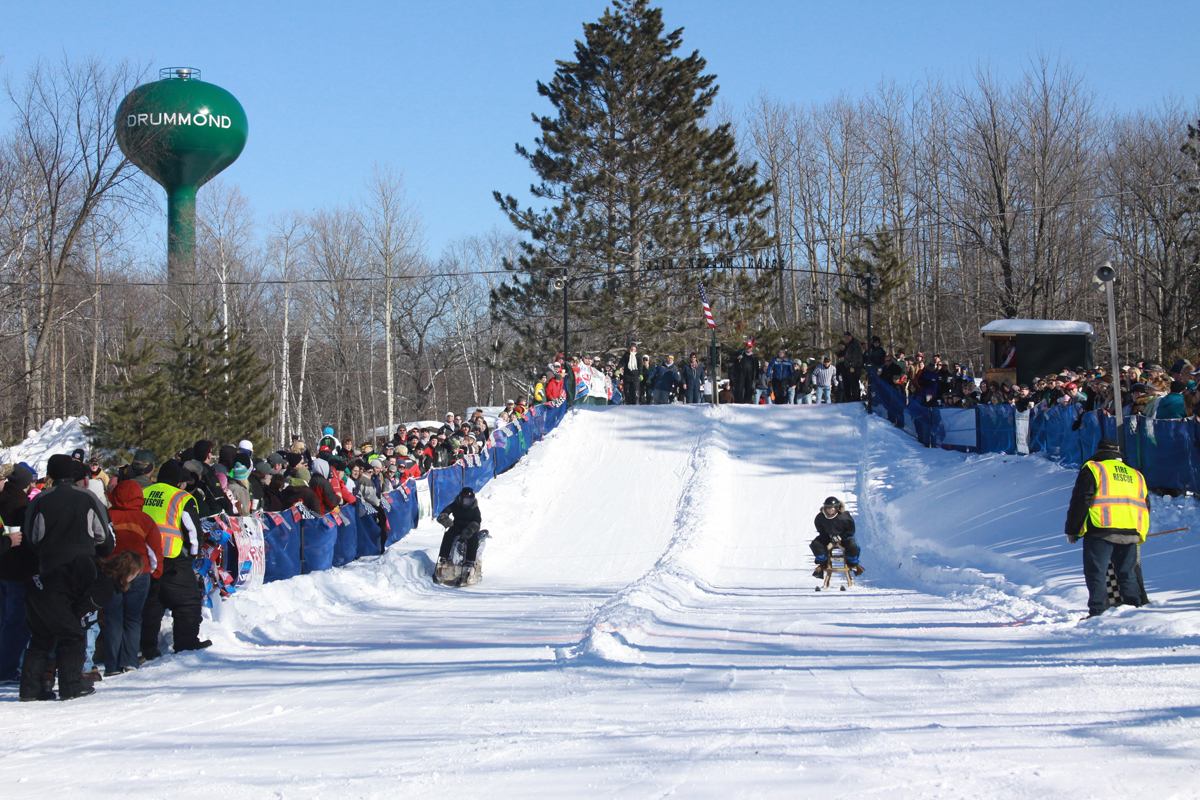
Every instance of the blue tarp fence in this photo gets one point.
(298, 546)
(1167, 452)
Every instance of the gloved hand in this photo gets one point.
(1073, 538)
(444, 519)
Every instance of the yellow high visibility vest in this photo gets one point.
(165, 505)
(1120, 500)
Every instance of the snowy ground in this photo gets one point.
(647, 627)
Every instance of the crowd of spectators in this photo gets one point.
(1147, 389)
(90, 559)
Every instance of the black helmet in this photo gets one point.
(466, 497)
(831, 502)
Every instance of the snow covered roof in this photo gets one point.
(1013, 326)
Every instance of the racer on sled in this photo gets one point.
(459, 557)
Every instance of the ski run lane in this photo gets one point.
(646, 626)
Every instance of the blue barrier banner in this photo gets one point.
(1165, 452)
(918, 419)
(954, 428)
(346, 549)
(281, 535)
(370, 537)
(401, 515)
(478, 477)
(444, 486)
(320, 540)
(507, 447)
(886, 401)
(526, 436)
(997, 428)
(1059, 435)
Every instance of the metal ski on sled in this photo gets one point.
(836, 562)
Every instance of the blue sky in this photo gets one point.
(443, 90)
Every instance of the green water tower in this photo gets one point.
(181, 132)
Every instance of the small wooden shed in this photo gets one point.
(1019, 350)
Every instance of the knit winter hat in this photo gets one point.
(61, 467)
(239, 472)
(171, 473)
(201, 449)
(303, 474)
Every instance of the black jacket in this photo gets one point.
(854, 355)
(462, 516)
(841, 525)
(21, 562)
(875, 356)
(67, 521)
(70, 591)
(1081, 503)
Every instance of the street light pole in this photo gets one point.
(1107, 277)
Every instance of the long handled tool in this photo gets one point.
(1173, 530)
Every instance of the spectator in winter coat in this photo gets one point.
(67, 520)
(1171, 405)
(762, 386)
(692, 376)
(802, 386)
(892, 374)
(665, 379)
(142, 468)
(782, 372)
(834, 523)
(239, 489)
(321, 485)
(742, 373)
(854, 368)
(57, 601)
(876, 354)
(645, 389)
(18, 563)
(295, 489)
(135, 532)
(629, 368)
(823, 381)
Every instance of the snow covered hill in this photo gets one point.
(647, 626)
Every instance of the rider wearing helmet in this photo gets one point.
(834, 523)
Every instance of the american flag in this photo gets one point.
(708, 317)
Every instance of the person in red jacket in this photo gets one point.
(337, 478)
(135, 532)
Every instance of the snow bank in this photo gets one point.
(56, 436)
(988, 530)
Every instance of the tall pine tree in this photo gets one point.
(209, 386)
(221, 384)
(138, 414)
(638, 196)
(881, 257)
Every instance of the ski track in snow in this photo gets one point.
(647, 626)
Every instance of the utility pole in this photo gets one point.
(1107, 276)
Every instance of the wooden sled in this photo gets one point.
(836, 562)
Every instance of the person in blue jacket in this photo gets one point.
(665, 379)
(1171, 405)
(782, 372)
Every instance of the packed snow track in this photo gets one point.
(647, 626)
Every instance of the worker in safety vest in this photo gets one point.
(1110, 511)
(174, 511)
